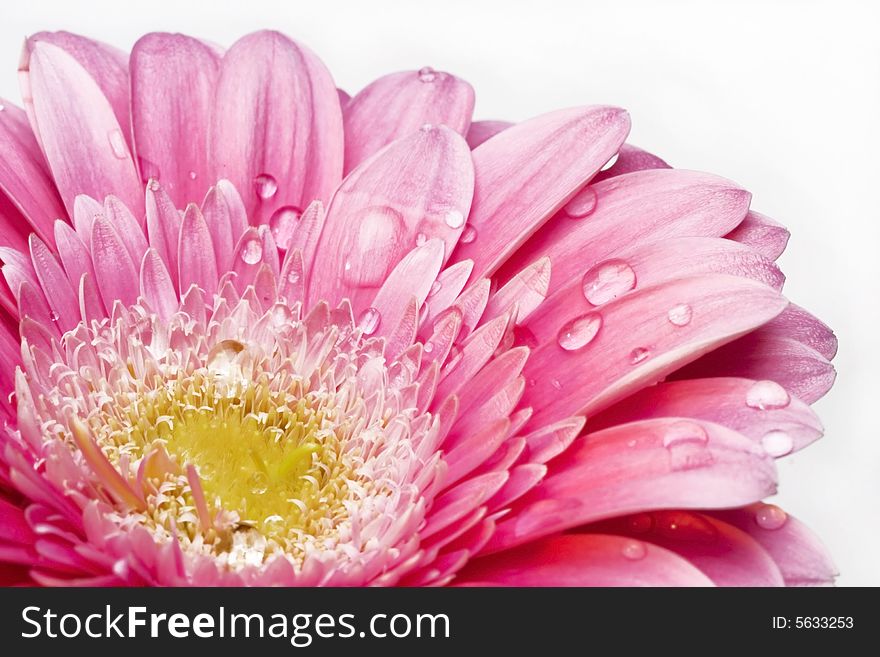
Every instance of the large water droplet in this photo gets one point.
(680, 315)
(427, 74)
(293, 276)
(634, 550)
(221, 359)
(265, 186)
(639, 355)
(767, 395)
(583, 204)
(777, 443)
(251, 251)
(378, 229)
(579, 332)
(468, 235)
(610, 163)
(117, 144)
(770, 516)
(607, 281)
(281, 224)
(684, 432)
(454, 218)
(369, 321)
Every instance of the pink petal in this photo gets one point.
(466, 456)
(730, 402)
(172, 95)
(797, 551)
(24, 176)
(583, 560)
(480, 131)
(796, 323)
(277, 130)
(727, 555)
(73, 253)
(115, 271)
(801, 370)
(636, 208)
(398, 104)
(631, 158)
(129, 228)
(107, 65)
(527, 290)
(762, 234)
(631, 342)
(14, 227)
(415, 189)
(227, 220)
(163, 226)
(197, 263)
(527, 172)
(56, 286)
(81, 137)
(650, 465)
(446, 289)
(411, 277)
(157, 287)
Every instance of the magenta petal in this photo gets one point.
(163, 226)
(172, 94)
(24, 176)
(526, 173)
(197, 263)
(796, 323)
(600, 355)
(583, 560)
(225, 214)
(480, 131)
(81, 137)
(650, 465)
(56, 286)
(157, 287)
(398, 104)
(115, 271)
(415, 189)
(277, 129)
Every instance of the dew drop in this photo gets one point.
(607, 281)
(678, 433)
(378, 229)
(369, 321)
(251, 251)
(557, 385)
(777, 443)
(579, 332)
(293, 276)
(639, 355)
(583, 204)
(421, 238)
(193, 175)
(634, 550)
(436, 286)
(767, 395)
(770, 516)
(347, 265)
(428, 348)
(468, 235)
(680, 315)
(427, 74)
(117, 144)
(265, 186)
(281, 224)
(426, 127)
(454, 219)
(153, 185)
(222, 356)
(610, 163)
(259, 483)
(53, 316)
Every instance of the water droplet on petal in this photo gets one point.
(193, 175)
(251, 251)
(684, 432)
(770, 516)
(259, 483)
(117, 144)
(293, 275)
(53, 316)
(369, 321)
(557, 385)
(639, 355)
(427, 74)
(579, 332)
(153, 185)
(281, 224)
(582, 204)
(429, 347)
(610, 163)
(777, 443)
(421, 238)
(454, 219)
(607, 281)
(265, 186)
(468, 235)
(347, 265)
(680, 315)
(767, 395)
(634, 550)
(222, 356)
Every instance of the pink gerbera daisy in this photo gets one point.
(257, 332)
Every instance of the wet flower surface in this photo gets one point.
(256, 331)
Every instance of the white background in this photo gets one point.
(783, 97)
